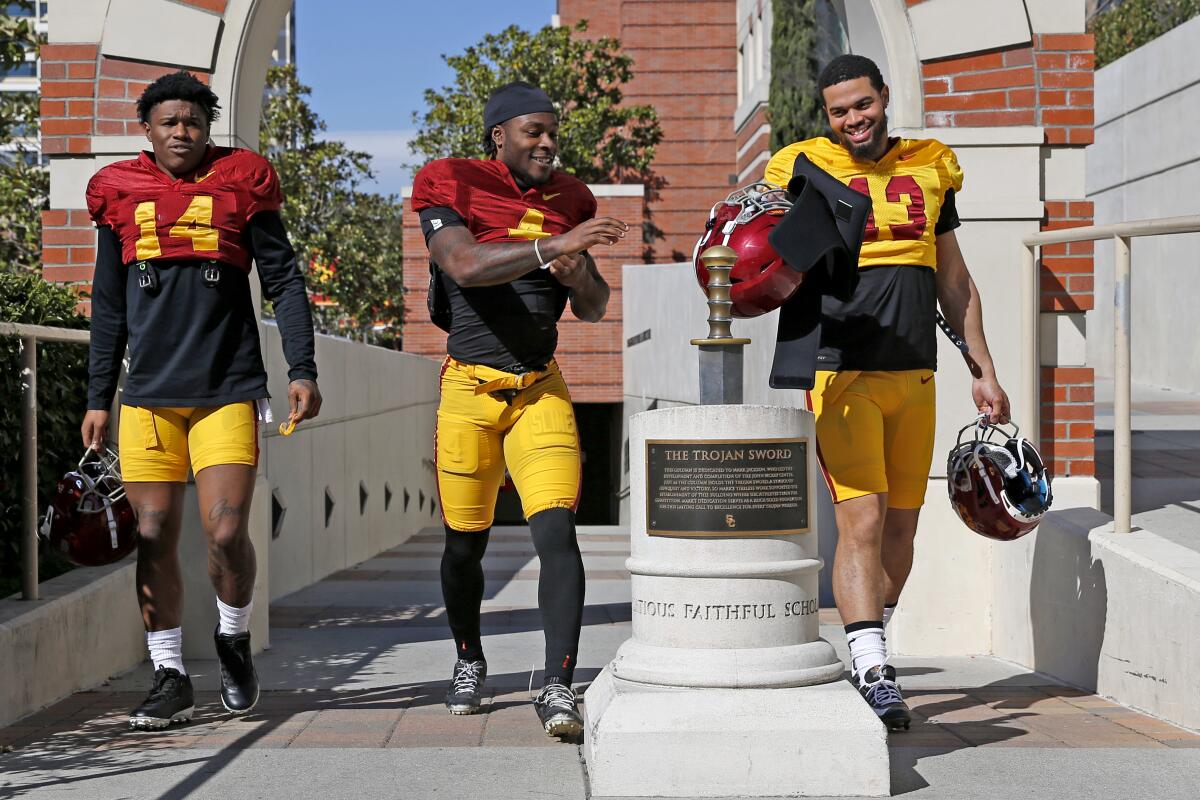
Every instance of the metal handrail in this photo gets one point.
(30, 335)
(1121, 233)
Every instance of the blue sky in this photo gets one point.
(369, 62)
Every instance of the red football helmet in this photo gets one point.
(90, 521)
(761, 280)
(997, 482)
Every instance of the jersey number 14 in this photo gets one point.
(195, 224)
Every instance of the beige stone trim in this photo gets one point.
(159, 31)
(946, 28)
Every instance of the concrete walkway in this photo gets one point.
(358, 665)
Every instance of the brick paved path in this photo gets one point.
(358, 668)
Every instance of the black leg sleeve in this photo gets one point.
(462, 589)
(560, 589)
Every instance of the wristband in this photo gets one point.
(541, 264)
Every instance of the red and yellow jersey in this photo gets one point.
(202, 218)
(492, 206)
(907, 188)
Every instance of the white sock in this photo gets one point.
(234, 620)
(166, 649)
(887, 614)
(866, 650)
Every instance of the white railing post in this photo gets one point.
(1030, 355)
(29, 534)
(1122, 428)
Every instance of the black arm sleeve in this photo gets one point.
(948, 215)
(435, 218)
(109, 327)
(283, 285)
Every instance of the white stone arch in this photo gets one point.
(893, 34)
(250, 30)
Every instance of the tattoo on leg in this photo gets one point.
(222, 509)
(150, 513)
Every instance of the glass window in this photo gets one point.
(831, 36)
(26, 69)
(19, 10)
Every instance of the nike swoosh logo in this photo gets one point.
(204, 176)
(927, 380)
(550, 196)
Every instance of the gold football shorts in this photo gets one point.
(487, 420)
(875, 433)
(159, 444)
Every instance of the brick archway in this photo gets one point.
(99, 58)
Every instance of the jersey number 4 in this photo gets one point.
(195, 224)
(897, 187)
(530, 226)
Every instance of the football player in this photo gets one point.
(178, 229)
(508, 238)
(874, 392)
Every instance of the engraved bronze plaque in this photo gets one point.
(727, 487)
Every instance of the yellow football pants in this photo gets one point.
(875, 433)
(480, 431)
(159, 444)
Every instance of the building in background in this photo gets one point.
(25, 77)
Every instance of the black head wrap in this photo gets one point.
(514, 100)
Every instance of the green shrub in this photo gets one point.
(1128, 26)
(794, 107)
(62, 398)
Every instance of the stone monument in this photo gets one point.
(725, 687)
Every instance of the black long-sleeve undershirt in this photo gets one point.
(192, 344)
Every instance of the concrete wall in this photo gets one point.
(1141, 167)
(374, 434)
(85, 627)
(1114, 614)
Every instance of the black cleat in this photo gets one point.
(879, 688)
(555, 706)
(171, 700)
(466, 685)
(239, 681)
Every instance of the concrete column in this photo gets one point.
(725, 687)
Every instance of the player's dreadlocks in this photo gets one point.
(179, 86)
(848, 67)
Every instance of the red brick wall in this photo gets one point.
(1047, 83)
(588, 353)
(685, 65)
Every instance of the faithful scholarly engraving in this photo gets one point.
(727, 487)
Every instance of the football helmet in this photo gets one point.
(90, 520)
(761, 280)
(997, 482)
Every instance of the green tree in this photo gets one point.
(599, 139)
(795, 104)
(24, 184)
(1133, 23)
(347, 240)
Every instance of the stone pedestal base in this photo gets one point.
(650, 741)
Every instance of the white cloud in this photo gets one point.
(389, 154)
